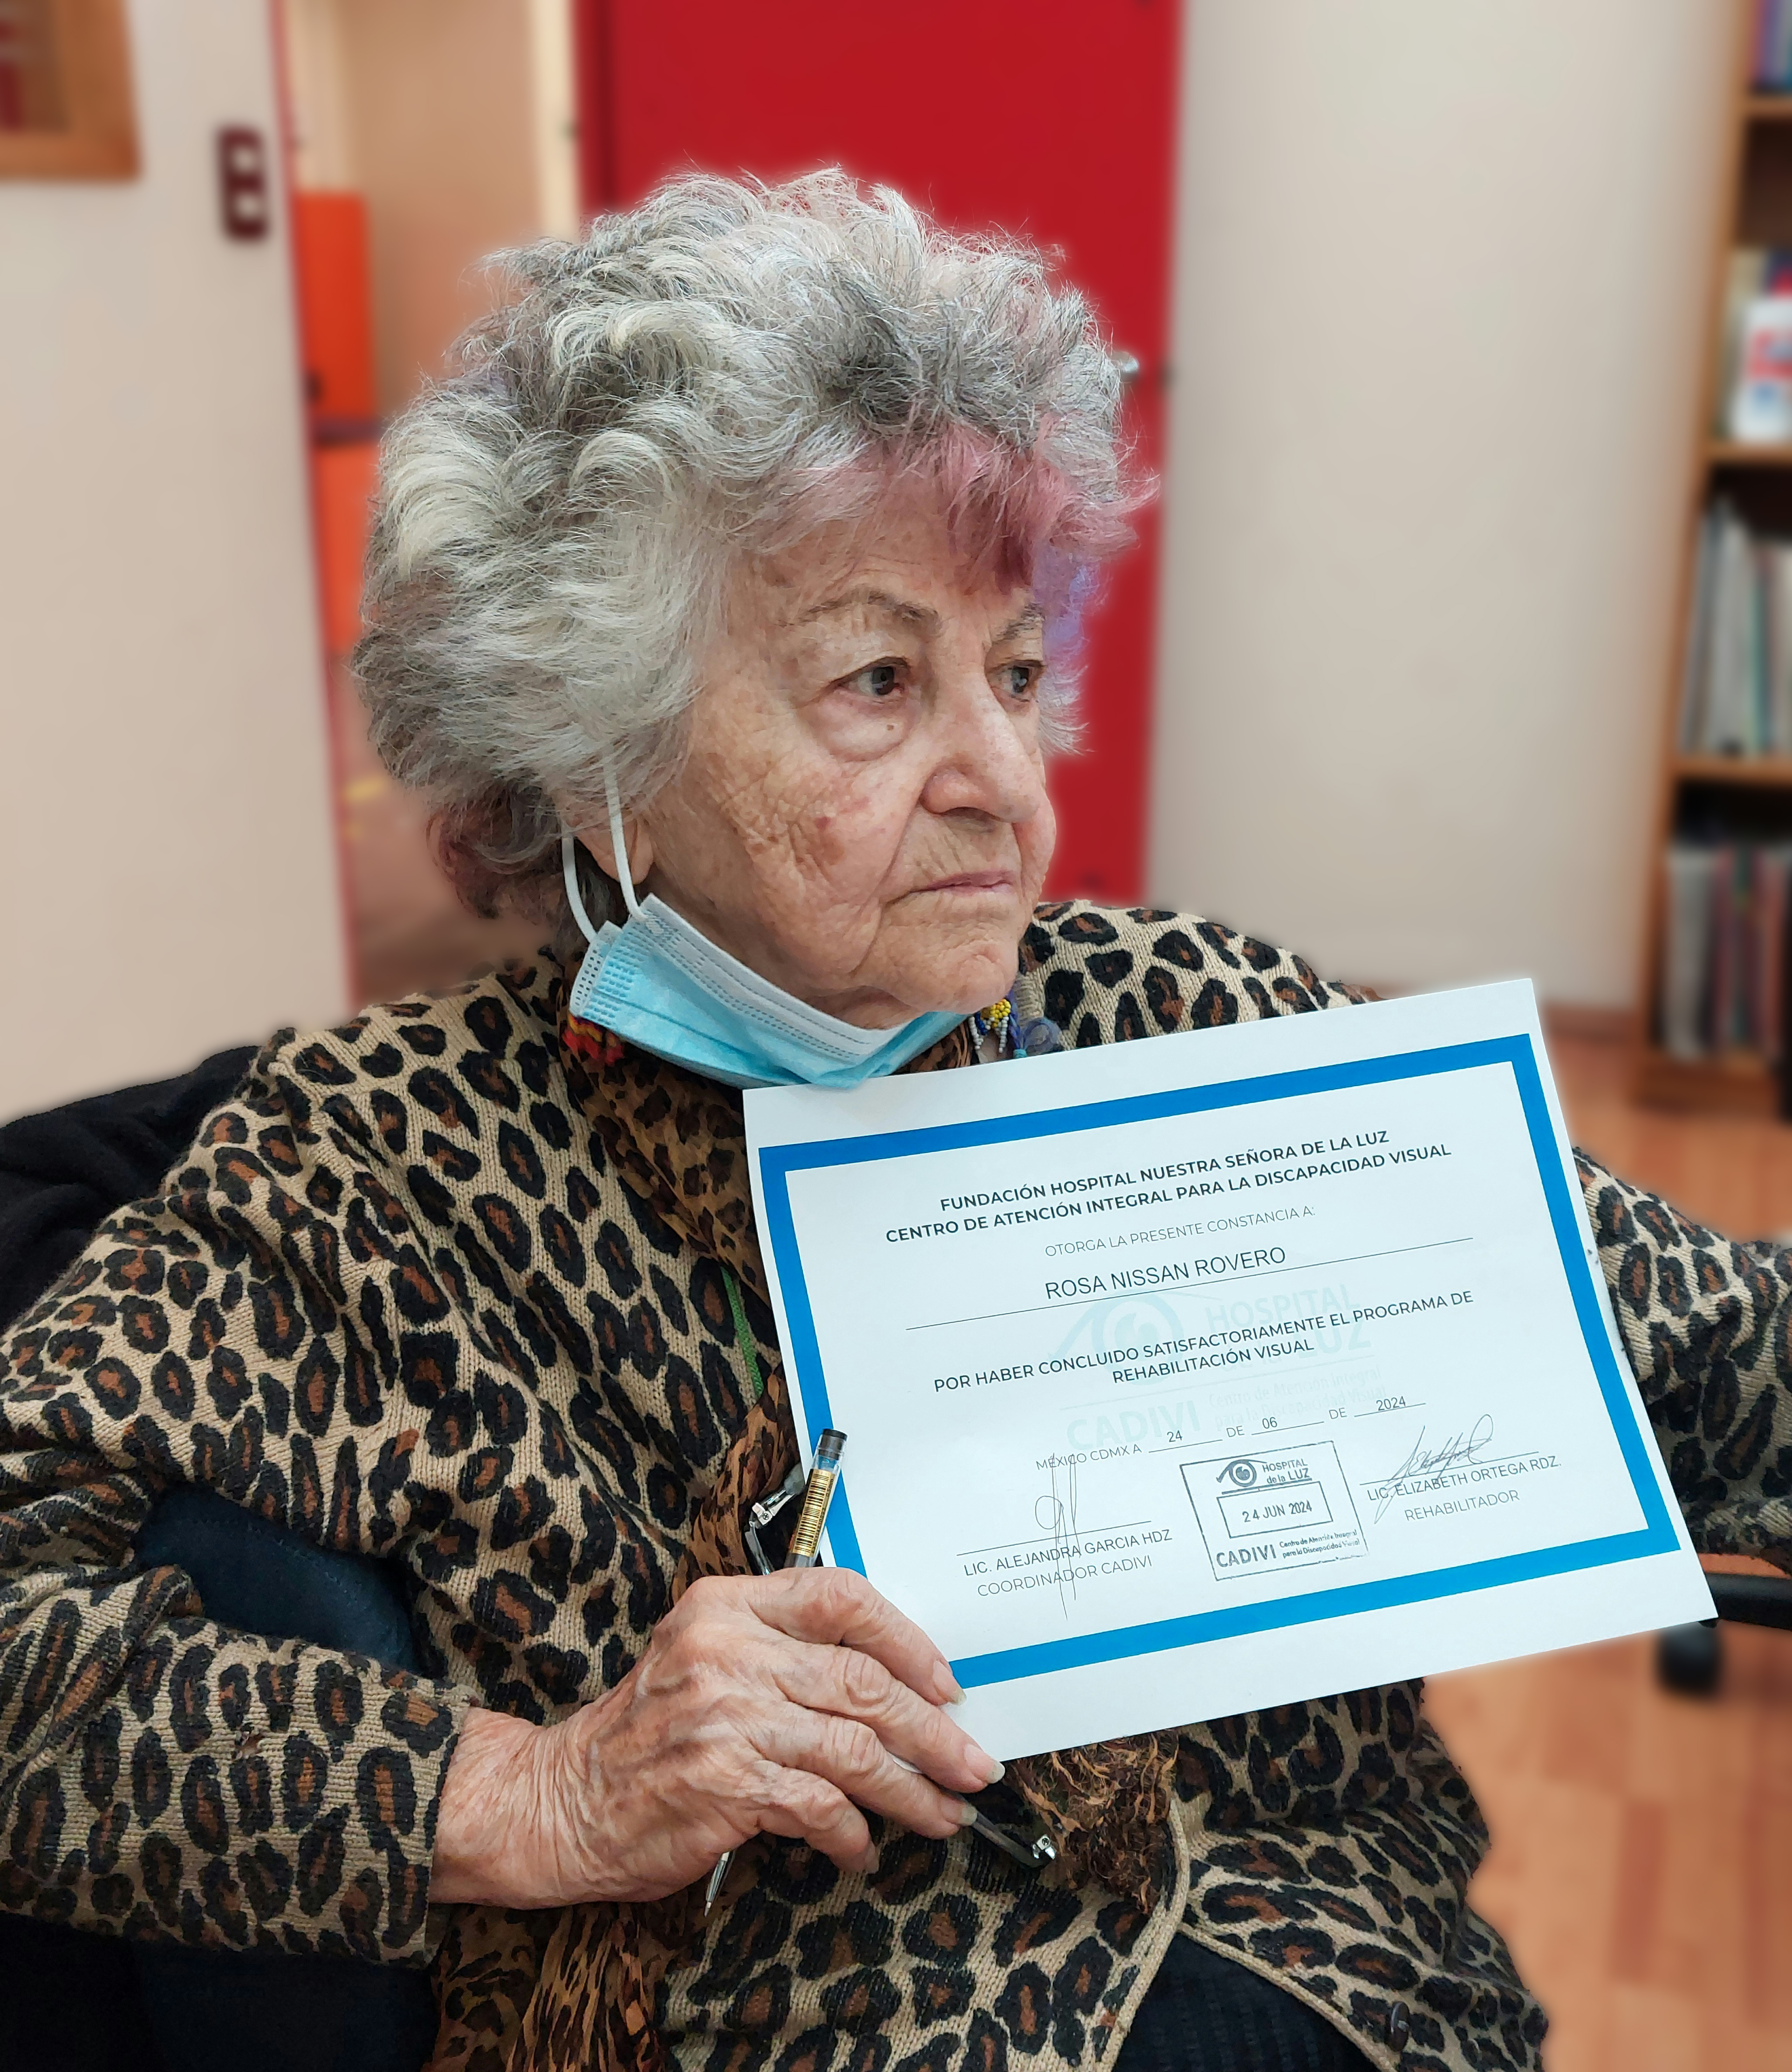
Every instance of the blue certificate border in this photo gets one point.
(1656, 1535)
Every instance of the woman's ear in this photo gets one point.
(596, 838)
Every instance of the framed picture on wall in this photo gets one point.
(65, 93)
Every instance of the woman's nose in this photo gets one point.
(987, 757)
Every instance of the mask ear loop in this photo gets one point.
(624, 876)
(568, 868)
(568, 861)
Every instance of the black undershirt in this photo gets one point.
(1204, 2013)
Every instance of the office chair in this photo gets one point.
(1690, 1659)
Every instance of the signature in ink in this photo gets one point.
(1454, 1453)
(1055, 1513)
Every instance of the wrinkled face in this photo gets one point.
(861, 816)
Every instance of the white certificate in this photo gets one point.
(1221, 1370)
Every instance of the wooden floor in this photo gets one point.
(1642, 1865)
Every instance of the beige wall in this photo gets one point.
(450, 117)
(167, 861)
(1440, 299)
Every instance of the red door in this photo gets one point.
(1052, 117)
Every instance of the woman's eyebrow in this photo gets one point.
(1030, 621)
(921, 615)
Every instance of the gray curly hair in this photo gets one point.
(704, 377)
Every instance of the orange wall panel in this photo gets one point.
(335, 303)
(342, 482)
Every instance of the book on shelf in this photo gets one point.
(1770, 69)
(1753, 405)
(1723, 969)
(1736, 696)
(1743, 273)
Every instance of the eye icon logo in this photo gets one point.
(1239, 1474)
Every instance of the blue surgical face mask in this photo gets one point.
(659, 983)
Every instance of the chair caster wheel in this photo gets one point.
(1690, 1659)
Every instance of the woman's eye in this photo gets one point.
(881, 679)
(1019, 679)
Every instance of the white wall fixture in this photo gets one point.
(168, 870)
(1441, 300)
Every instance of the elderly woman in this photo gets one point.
(721, 606)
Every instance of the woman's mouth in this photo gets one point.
(973, 881)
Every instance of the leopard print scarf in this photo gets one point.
(679, 1141)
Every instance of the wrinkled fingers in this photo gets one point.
(806, 1808)
(835, 1607)
(848, 1755)
(853, 1686)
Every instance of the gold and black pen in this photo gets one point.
(805, 1543)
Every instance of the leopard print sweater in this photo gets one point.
(403, 1298)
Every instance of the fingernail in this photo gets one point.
(997, 1770)
(951, 1691)
(967, 1812)
(992, 1770)
(871, 1861)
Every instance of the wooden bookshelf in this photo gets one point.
(1774, 771)
(1728, 453)
(1752, 794)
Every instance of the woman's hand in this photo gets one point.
(775, 1704)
